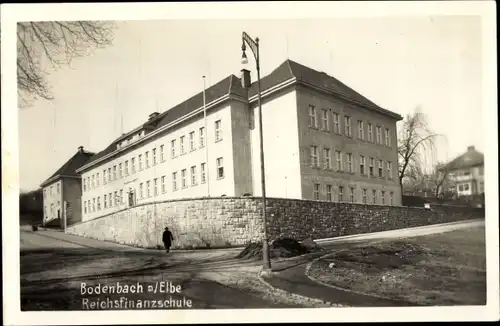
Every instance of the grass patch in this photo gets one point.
(440, 269)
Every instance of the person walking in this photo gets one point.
(167, 239)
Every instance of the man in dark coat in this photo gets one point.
(167, 239)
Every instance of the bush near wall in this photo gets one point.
(235, 221)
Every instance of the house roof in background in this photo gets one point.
(469, 159)
(69, 168)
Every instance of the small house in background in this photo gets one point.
(466, 173)
(62, 192)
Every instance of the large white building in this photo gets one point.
(322, 141)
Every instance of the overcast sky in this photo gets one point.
(399, 63)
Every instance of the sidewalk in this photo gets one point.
(289, 275)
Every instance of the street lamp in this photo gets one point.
(254, 46)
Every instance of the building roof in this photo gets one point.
(469, 159)
(69, 168)
(231, 85)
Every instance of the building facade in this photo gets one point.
(62, 192)
(322, 141)
(466, 173)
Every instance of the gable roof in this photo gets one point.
(231, 85)
(69, 168)
(469, 159)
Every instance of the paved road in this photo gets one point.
(55, 265)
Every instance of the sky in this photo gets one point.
(400, 63)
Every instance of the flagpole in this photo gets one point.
(206, 136)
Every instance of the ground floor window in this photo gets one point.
(316, 191)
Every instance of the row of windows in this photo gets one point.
(51, 190)
(52, 208)
(340, 157)
(145, 191)
(376, 197)
(361, 131)
(127, 168)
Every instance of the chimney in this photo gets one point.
(245, 78)
(80, 149)
(153, 115)
(470, 148)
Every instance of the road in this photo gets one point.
(55, 267)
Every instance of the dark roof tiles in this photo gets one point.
(69, 168)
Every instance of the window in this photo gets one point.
(374, 196)
(126, 168)
(361, 131)
(174, 181)
(329, 192)
(312, 116)
(93, 204)
(84, 208)
(202, 137)
(154, 156)
(327, 158)
(132, 163)
(370, 132)
(84, 186)
(387, 137)
(316, 191)
(120, 171)
(364, 196)
(341, 193)
(156, 186)
(362, 162)
(59, 189)
(105, 201)
(391, 198)
(220, 168)
(97, 180)
(117, 200)
(114, 172)
(148, 188)
(191, 141)
(336, 123)
(380, 169)
(52, 189)
(203, 173)
(183, 178)
(146, 159)
(372, 163)
(104, 177)
(141, 190)
(349, 163)
(347, 128)
(389, 169)
(379, 135)
(218, 130)
(162, 153)
(98, 203)
(181, 142)
(382, 197)
(314, 156)
(93, 181)
(172, 146)
(110, 200)
(338, 160)
(351, 194)
(324, 119)
(109, 174)
(163, 185)
(193, 175)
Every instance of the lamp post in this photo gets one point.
(254, 46)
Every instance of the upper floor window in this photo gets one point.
(154, 156)
(379, 135)
(361, 131)
(203, 172)
(362, 163)
(192, 146)
(126, 168)
(193, 175)
(156, 186)
(162, 153)
(146, 159)
(336, 123)
(327, 158)
(84, 186)
(350, 168)
(202, 137)
(347, 127)
(181, 142)
(109, 175)
(372, 167)
(120, 170)
(59, 189)
(324, 119)
(387, 137)
(163, 184)
(148, 188)
(172, 146)
(93, 181)
(97, 178)
(132, 163)
(174, 181)
(104, 177)
(380, 168)
(338, 159)
(312, 117)
(220, 168)
(314, 156)
(218, 130)
(370, 132)
(183, 178)
(389, 169)
(114, 172)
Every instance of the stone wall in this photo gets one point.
(227, 221)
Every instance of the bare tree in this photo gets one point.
(41, 45)
(440, 179)
(414, 140)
